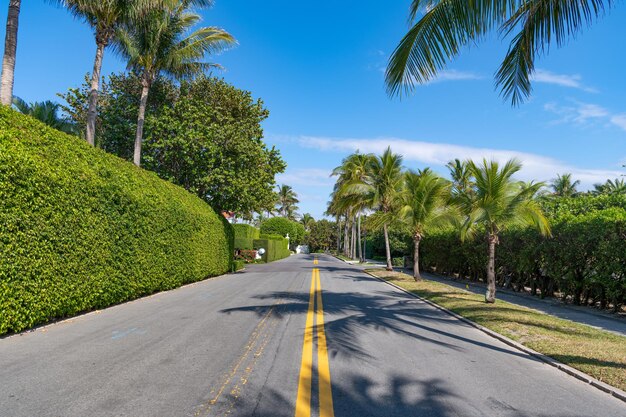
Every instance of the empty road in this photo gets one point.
(299, 337)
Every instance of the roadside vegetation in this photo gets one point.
(597, 353)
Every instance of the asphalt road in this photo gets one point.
(233, 346)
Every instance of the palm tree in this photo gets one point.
(307, 220)
(461, 176)
(563, 186)
(159, 43)
(353, 196)
(10, 51)
(287, 200)
(611, 187)
(424, 206)
(385, 180)
(46, 112)
(448, 25)
(499, 202)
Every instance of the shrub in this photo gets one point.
(82, 229)
(276, 247)
(245, 235)
(283, 227)
(248, 256)
(238, 265)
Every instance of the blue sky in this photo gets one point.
(319, 66)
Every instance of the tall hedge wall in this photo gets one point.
(81, 229)
(276, 247)
(245, 235)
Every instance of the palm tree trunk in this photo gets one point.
(490, 295)
(145, 83)
(92, 112)
(338, 234)
(358, 234)
(387, 249)
(353, 241)
(346, 242)
(417, 238)
(10, 50)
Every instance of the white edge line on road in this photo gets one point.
(609, 389)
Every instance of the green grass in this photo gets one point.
(595, 352)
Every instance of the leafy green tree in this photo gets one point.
(563, 186)
(498, 203)
(307, 220)
(118, 101)
(424, 207)
(210, 141)
(445, 26)
(10, 51)
(159, 43)
(322, 235)
(47, 112)
(287, 200)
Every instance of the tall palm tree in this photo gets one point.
(424, 206)
(354, 194)
(445, 26)
(46, 112)
(287, 200)
(500, 202)
(161, 43)
(10, 51)
(385, 181)
(563, 186)
(461, 176)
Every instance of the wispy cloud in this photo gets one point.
(563, 80)
(585, 113)
(455, 75)
(306, 177)
(536, 167)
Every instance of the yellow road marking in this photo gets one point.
(315, 261)
(303, 400)
(326, 395)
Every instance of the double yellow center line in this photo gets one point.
(303, 401)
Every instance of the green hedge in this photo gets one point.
(276, 247)
(584, 260)
(81, 229)
(245, 235)
(283, 227)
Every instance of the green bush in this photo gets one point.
(245, 235)
(238, 265)
(283, 227)
(81, 229)
(276, 247)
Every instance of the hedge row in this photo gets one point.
(584, 260)
(283, 227)
(81, 229)
(245, 235)
(276, 247)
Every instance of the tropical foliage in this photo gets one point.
(287, 201)
(441, 28)
(46, 112)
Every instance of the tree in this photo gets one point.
(446, 26)
(424, 206)
(499, 202)
(287, 200)
(563, 186)
(611, 187)
(10, 51)
(118, 101)
(47, 112)
(384, 182)
(210, 142)
(159, 44)
(322, 235)
(307, 220)
(105, 17)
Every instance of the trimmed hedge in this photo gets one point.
(81, 229)
(245, 235)
(276, 247)
(283, 227)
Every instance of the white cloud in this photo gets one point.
(563, 80)
(306, 177)
(536, 167)
(585, 113)
(455, 75)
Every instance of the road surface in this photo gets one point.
(269, 342)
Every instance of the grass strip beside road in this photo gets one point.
(597, 353)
